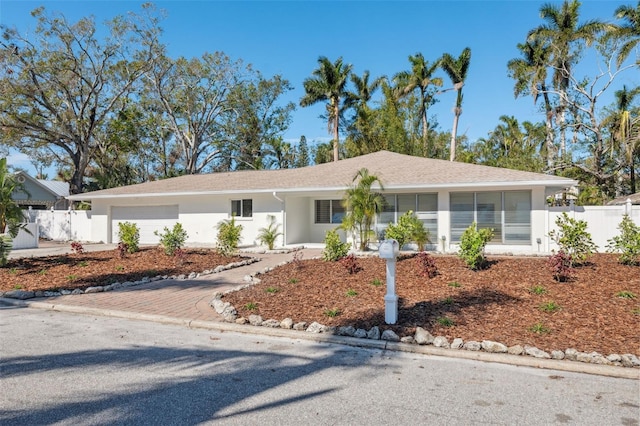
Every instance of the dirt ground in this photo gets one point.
(514, 301)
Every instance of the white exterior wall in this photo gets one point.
(296, 225)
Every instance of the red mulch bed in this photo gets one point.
(71, 271)
(492, 304)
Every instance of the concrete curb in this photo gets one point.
(515, 360)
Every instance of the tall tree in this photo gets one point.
(456, 69)
(59, 89)
(194, 97)
(420, 79)
(629, 30)
(625, 131)
(361, 127)
(530, 74)
(564, 35)
(302, 153)
(328, 84)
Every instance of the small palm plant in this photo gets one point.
(270, 234)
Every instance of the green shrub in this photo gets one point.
(6, 243)
(229, 236)
(172, 240)
(270, 234)
(409, 228)
(627, 243)
(472, 244)
(334, 249)
(129, 234)
(572, 238)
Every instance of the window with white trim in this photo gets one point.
(329, 211)
(242, 208)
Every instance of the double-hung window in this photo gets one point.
(242, 208)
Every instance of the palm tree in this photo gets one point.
(361, 126)
(457, 70)
(420, 78)
(362, 204)
(530, 73)
(328, 84)
(562, 33)
(629, 32)
(624, 130)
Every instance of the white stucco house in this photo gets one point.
(447, 196)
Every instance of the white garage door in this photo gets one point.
(148, 218)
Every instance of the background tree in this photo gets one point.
(629, 31)
(565, 37)
(456, 69)
(328, 84)
(302, 153)
(11, 215)
(58, 89)
(420, 79)
(361, 127)
(530, 73)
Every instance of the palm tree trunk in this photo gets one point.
(336, 135)
(454, 133)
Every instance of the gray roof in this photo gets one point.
(57, 187)
(395, 171)
(635, 199)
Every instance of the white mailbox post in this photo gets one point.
(389, 251)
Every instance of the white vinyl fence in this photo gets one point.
(26, 239)
(602, 221)
(63, 225)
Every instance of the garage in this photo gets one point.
(148, 218)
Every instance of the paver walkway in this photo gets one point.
(182, 299)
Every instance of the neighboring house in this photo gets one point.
(634, 198)
(447, 196)
(41, 194)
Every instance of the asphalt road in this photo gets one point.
(77, 369)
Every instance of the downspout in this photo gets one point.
(282, 213)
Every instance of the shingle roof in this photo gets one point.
(394, 171)
(635, 199)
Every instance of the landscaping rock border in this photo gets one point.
(420, 337)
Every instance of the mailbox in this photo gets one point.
(389, 249)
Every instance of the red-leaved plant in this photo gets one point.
(351, 263)
(76, 247)
(426, 264)
(560, 264)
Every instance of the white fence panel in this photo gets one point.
(65, 225)
(602, 221)
(24, 240)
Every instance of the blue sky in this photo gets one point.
(287, 37)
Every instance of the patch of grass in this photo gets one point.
(13, 271)
(447, 301)
(539, 328)
(17, 287)
(271, 290)
(626, 294)
(251, 306)
(119, 268)
(293, 280)
(445, 322)
(83, 263)
(376, 282)
(455, 284)
(72, 277)
(538, 289)
(331, 313)
(635, 311)
(549, 307)
(42, 272)
(351, 293)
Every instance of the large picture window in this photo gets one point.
(424, 206)
(242, 208)
(508, 213)
(329, 211)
